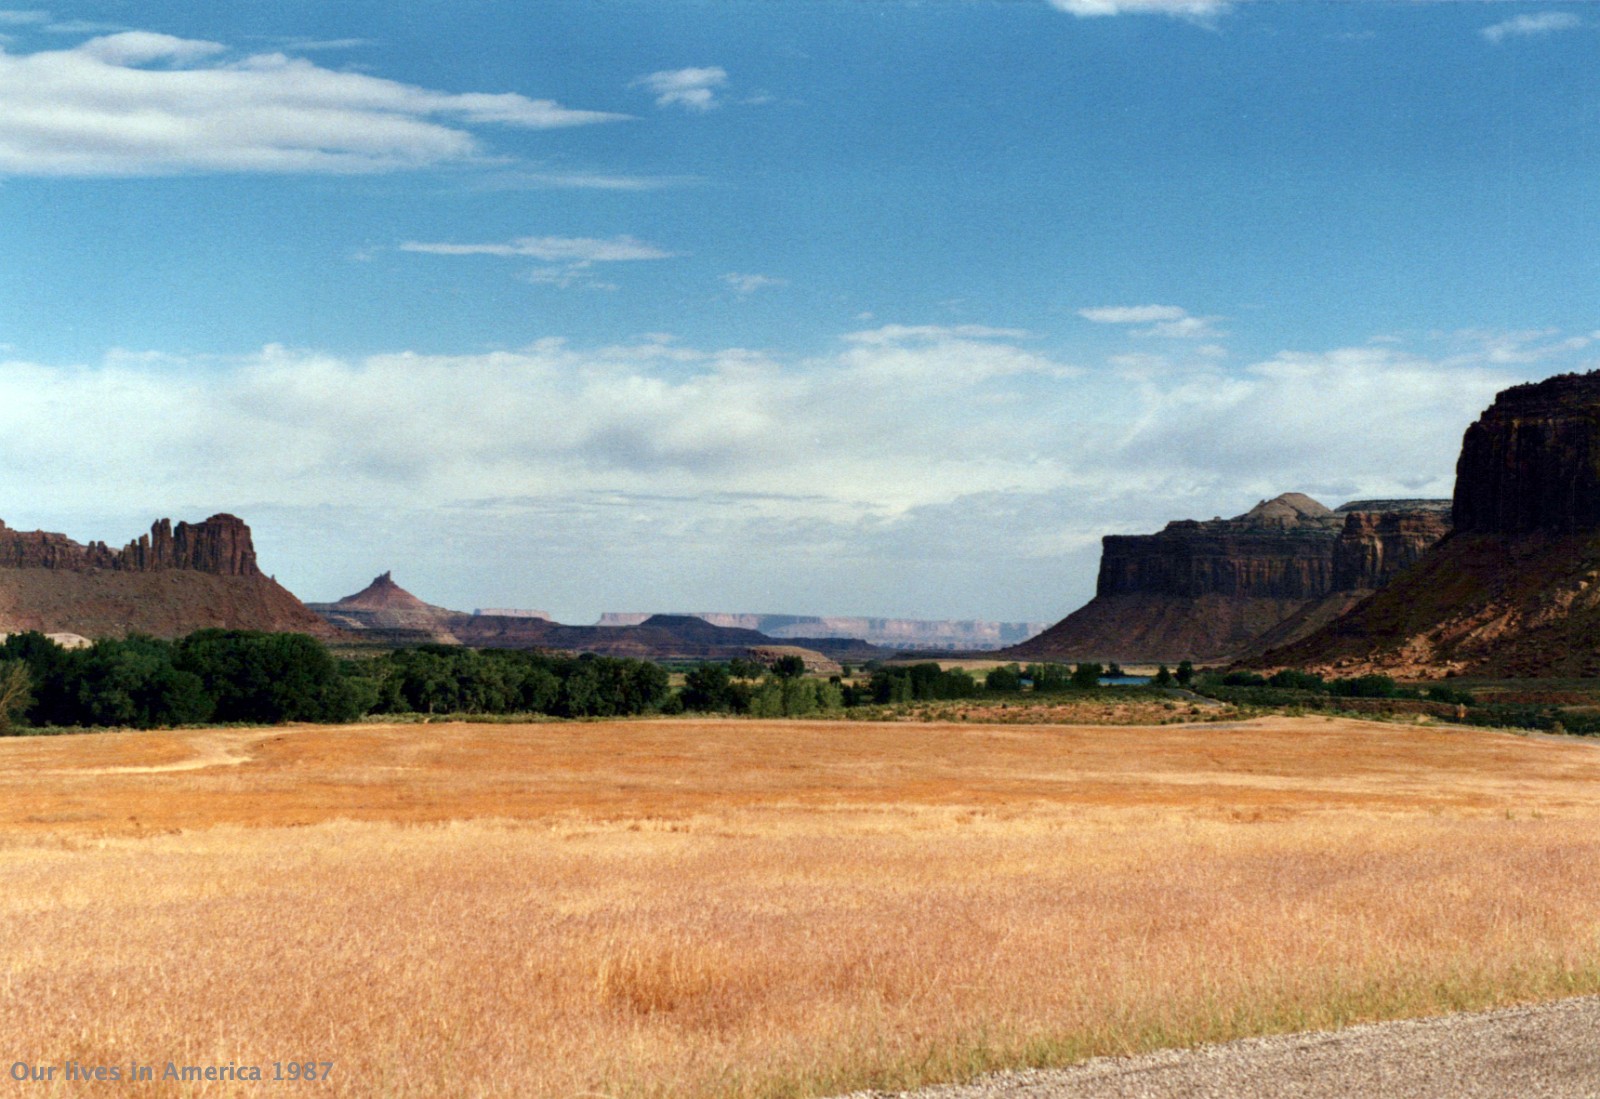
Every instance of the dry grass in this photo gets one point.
(768, 908)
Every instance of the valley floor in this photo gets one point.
(744, 908)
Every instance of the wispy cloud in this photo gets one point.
(1133, 314)
(692, 89)
(1531, 26)
(1170, 321)
(581, 180)
(139, 103)
(569, 249)
(933, 333)
(572, 257)
(1196, 11)
(745, 285)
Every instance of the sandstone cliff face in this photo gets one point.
(167, 583)
(1213, 590)
(1376, 546)
(1515, 588)
(221, 545)
(1532, 460)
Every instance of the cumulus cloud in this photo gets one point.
(141, 103)
(692, 89)
(778, 483)
(1200, 11)
(1532, 26)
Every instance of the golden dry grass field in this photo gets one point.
(742, 908)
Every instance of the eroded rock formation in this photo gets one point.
(169, 582)
(220, 545)
(1513, 589)
(1220, 589)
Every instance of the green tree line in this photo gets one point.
(241, 676)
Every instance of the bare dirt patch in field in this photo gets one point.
(763, 908)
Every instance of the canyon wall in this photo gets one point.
(1218, 589)
(1513, 590)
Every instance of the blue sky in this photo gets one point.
(813, 307)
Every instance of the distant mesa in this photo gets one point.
(167, 583)
(1514, 590)
(1223, 589)
(385, 613)
(922, 635)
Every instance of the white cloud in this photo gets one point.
(692, 89)
(745, 285)
(14, 18)
(141, 103)
(932, 333)
(1514, 348)
(1132, 314)
(1530, 26)
(1168, 321)
(905, 463)
(572, 258)
(553, 249)
(1198, 11)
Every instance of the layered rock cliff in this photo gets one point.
(1219, 589)
(220, 545)
(169, 582)
(1513, 589)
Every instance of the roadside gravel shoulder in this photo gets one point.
(1538, 1051)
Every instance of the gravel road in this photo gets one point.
(1543, 1051)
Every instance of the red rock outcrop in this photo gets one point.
(167, 583)
(1515, 588)
(384, 611)
(220, 545)
(1217, 590)
(1379, 542)
(1531, 462)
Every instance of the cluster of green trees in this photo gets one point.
(1360, 686)
(742, 687)
(144, 682)
(1183, 677)
(918, 683)
(447, 679)
(1046, 677)
(235, 675)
